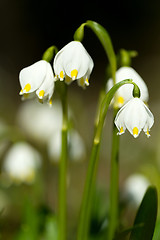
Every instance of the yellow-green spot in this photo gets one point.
(87, 81)
(61, 75)
(74, 74)
(50, 102)
(148, 132)
(120, 100)
(27, 87)
(121, 130)
(41, 94)
(135, 131)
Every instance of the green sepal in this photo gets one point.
(49, 53)
(146, 216)
(124, 58)
(103, 37)
(136, 91)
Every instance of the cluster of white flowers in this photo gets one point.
(134, 114)
(70, 63)
(73, 62)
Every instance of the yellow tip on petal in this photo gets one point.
(27, 88)
(21, 92)
(121, 130)
(120, 100)
(87, 82)
(41, 94)
(50, 102)
(74, 74)
(148, 134)
(61, 75)
(135, 131)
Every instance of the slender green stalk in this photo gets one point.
(93, 163)
(63, 169)
(114, 184)
(88, 190)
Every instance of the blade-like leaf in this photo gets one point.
(146, 216)
(156, 235)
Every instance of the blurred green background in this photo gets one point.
(27, 29)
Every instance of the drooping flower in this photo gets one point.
(37, 78)
(124, 93)
(134, 116)
(73, 62)
(21, 162)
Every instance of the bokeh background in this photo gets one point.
(27, 29)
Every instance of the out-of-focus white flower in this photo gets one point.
(21, 162)
(73, 62)
(76, 148)
(37, 78)
(124, 93)
(38, 121)
(135, 187)
(134, 116)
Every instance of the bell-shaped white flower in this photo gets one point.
(73, 62)
(37, 78)
(21, 162)
(134, 116)
(124, 93)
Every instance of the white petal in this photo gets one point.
(47, 87)
(126, 90)
(33, 75)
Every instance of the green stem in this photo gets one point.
(88, 190)
(114, 184)
(63, 169)
(93, 163)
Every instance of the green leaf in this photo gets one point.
(156, 235)
(146, 216)
(103, 37)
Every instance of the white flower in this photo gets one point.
(124, 93)
(73, 62)
(37, 78)
(134, 116)
(75, 145)
(21, 162)
(135, 188)
(38, 121)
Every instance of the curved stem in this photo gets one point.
(63, 169)
(93, 163)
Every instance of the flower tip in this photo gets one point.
(147, 133)
(135, 132)
(21, 92)
(50, 103)
(121, 131)
(74, 74)
(87, 82)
